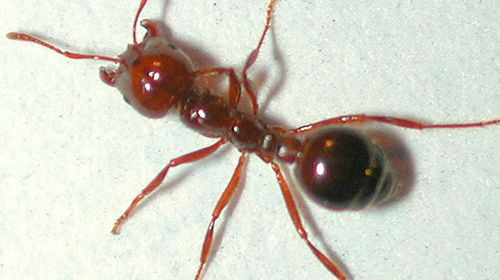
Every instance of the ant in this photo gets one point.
(339, 167)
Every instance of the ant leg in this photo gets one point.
(252, 57)
(221, 204)
(155, 183)
(406, 123)
(294, 214)
(234, 85)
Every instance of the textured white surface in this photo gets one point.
(73, 154)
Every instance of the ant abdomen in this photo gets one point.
(341, 169)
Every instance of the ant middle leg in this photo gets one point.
(252, 57)
(155, 183)
(234, 84)
(221, 204)
(406, 123)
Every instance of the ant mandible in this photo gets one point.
(338, 167)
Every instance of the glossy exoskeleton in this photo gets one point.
(340, 168)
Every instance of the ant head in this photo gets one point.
(152, 74)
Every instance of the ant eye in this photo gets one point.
(172, 46)
(126, 100)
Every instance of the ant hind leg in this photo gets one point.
(294, 214)
(406, 123)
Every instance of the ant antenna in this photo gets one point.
(136, 19)
(72, 55)
(29, 38)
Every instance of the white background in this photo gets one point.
(73, 154)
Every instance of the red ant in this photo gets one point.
(338, 167)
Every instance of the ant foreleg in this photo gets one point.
(234, 87)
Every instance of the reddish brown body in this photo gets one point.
(340, 168)
(154, 76)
